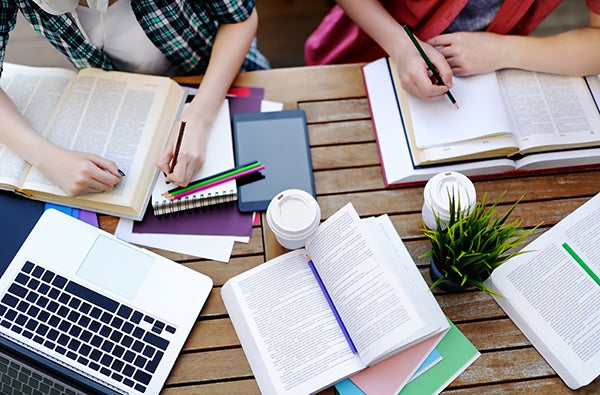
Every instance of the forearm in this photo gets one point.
(229, 51)
(18, 135)
(230, 48)
(576, 53)
(373, 19)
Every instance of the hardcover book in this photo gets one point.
(123, 117)
(552, 293)
(508, 121)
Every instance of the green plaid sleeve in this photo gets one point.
(230, 11)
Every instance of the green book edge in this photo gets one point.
(458, 353)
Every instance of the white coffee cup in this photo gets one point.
(436, 196)
(293, 215)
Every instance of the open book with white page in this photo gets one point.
(123, 117)
(417, 140)
(288, 327)
(552, 293)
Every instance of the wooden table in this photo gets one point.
(347, 169)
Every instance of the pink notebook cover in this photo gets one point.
(390, 375)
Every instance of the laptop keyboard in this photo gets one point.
(85, 326)
(17, 378)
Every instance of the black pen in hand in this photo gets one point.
(178, 144)
(434, 70)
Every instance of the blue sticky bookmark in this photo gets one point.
(335, 312)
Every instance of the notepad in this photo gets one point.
(219, 157)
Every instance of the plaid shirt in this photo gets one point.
(184, 31)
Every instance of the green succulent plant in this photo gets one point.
(470, 245)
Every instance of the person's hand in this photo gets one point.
(470, 53)
(78, 173)
(192, 152)
(416, 78)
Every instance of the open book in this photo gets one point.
(552, 293)
(123, 117)
(511, 120)
(287, 323)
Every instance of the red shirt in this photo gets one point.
(338, 40)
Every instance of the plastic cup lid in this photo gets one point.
(443, 185)
(293, 213)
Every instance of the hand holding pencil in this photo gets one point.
(423, 71)
(213, 180)
(185, 153)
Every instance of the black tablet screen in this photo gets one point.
(279, 140)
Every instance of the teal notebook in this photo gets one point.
(458, 353)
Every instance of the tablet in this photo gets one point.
(279, 140)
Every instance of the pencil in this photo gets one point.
(214, 182)
(212, 178)
(178, 144)
(431, 66)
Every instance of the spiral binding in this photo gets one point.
(194, 201)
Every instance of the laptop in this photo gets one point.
(82, 312)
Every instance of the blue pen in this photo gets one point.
(335, 313)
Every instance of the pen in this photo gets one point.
(178, 144)
(431, 66)
(331, 305)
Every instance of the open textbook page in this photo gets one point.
(552, 293)
(288, 329)
(124, 117)
(383, 307)
(36, 93)
(524, 110)
(550, 112)
(403, 163)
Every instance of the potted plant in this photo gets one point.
(470, 245)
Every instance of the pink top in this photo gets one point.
(339, 40)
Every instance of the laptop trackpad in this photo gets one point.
(115, 266)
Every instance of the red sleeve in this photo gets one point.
(594, 6)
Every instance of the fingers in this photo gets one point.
(420, 81)
(190, 157)
(443, 68)
(428, 77)
(181, 175)
(164, 164)
(187, 165)
(93, 174)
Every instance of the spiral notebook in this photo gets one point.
(219, 157)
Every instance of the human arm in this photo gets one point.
(375, 20)
(230, 47)
(575, 52)
(76, 173)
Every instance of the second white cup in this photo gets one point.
(437, 192)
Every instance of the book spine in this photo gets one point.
(193, 202)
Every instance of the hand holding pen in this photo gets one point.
(415, 82)
(185, 153)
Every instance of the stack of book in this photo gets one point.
(352, 303)
(509, 121)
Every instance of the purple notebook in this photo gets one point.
(217, 220)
